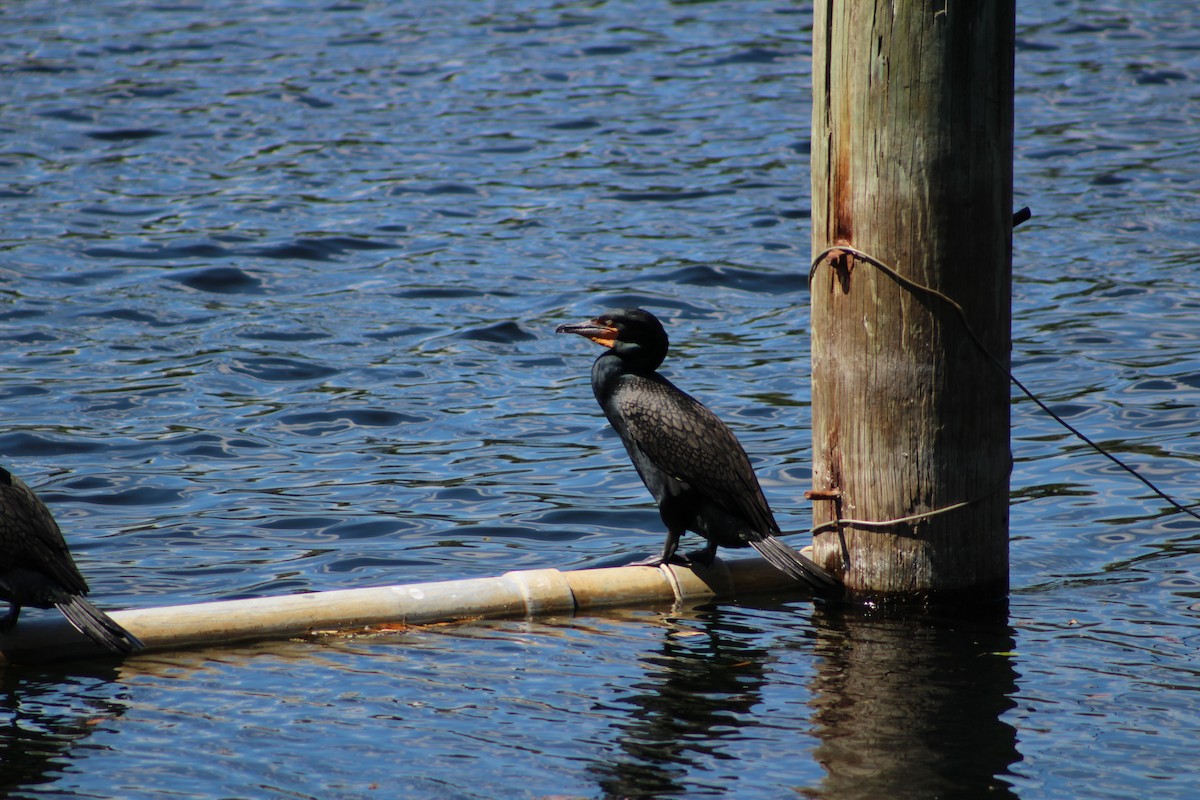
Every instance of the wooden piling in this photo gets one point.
(912, 148)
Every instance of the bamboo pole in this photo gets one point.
(513, 594)
(912, 147)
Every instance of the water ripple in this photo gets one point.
(278, 296)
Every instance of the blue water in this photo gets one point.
(277, 292)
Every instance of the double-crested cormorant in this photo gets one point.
(37, 570)
(690, 461)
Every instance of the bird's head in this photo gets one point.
(631, 333)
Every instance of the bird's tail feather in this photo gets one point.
(787, 560)
(98, 626)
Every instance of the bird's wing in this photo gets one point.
(689, 442)
(29, 531)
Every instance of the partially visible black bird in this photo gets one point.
(37, 570)
(690, 461)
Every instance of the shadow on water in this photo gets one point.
(903, 705)
(695, 689)
(39, 730)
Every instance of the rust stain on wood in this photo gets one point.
(842, 201)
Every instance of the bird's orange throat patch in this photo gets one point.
(605, 336)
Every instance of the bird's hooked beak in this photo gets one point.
(597, 331)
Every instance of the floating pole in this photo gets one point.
(528, 593)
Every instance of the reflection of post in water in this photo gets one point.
(908, 704)
(697, 686)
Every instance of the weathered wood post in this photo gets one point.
(912, 148)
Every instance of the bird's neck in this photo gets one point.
(610, 367)
(610, 363)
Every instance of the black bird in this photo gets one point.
(37, 570)
(690, 461)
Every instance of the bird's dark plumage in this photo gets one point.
(690, 461)
(37, 570)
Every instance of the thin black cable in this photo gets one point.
(962, 316)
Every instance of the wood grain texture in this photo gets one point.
(912, 144)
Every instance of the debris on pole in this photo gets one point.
(912, 152)
(527, 593)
